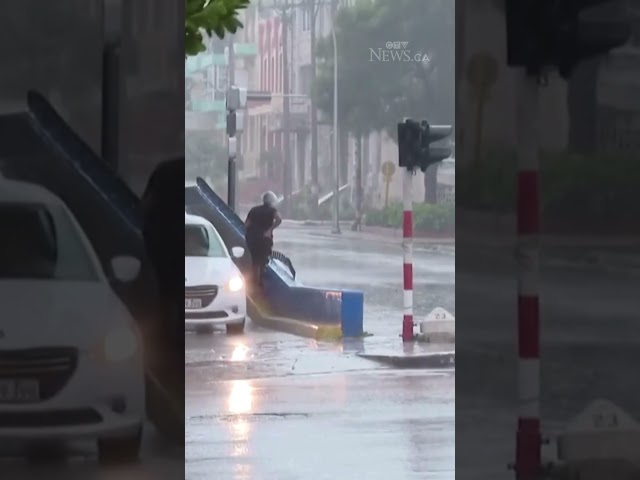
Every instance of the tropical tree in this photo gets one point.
(214, 17)
(375, 89)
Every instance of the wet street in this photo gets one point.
(588, 343)
(270, 406)
(158, 460)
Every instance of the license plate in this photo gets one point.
(192, 303)
(19, 391)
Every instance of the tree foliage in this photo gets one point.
(374, 94)
(211, 16)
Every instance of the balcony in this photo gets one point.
(208, 105)
(245, 49)
(205, 60)
(297, 122)
(202, 62)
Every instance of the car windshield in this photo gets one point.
(200, 242)
(40, 242)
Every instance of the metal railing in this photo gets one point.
(282, 258)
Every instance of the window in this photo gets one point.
(280, 85)
(306, 19)
(272, 75)
(322, 12)
(43, 243)
(263, 137)
(305, 79)
(199, 241)
(264, 74)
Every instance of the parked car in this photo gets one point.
(71, 365)
(214, 291)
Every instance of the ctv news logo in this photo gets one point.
(396, 52)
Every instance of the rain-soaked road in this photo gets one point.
(159, 460)
(589, 322)
(269, 406)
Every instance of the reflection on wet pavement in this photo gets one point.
(269, 406)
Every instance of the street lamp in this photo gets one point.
(336, 190)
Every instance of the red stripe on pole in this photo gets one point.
(528, 203)
(407, 277)
(528, 448)
(407, 224)
(407, 328)
(528, 327)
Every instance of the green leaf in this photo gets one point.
(212, 16)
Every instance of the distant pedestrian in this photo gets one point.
(261, 221)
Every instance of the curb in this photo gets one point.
(428, 360)
(301, 328)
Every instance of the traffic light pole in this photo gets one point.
(407, 250)
(415, 150)
(528, 436)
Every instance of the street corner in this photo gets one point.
(414, 355)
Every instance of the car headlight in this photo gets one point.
(120, 344)
(235, 284)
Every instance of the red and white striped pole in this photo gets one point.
(407, 248)
(528, 436)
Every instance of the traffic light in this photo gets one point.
(414, 144)
(409, 144)
(580, 39)
(236, 98)
(545, 34)
(432, 154)
(231, 124)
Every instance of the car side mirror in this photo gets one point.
(125, 268)
(237, 252)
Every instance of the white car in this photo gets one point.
(70, 355)
(214, 289)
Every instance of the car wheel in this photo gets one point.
(235, 329)
(120, 450)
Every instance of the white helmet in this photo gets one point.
(270, 198)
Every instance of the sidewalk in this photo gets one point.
(411, 354)
(493, 237)
(393, 235)
(500, 230)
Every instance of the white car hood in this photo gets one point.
(54, 313)
(208, 271)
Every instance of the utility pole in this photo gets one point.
(314, 109)
(357, 224)
(232, 143)
(286, 170)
